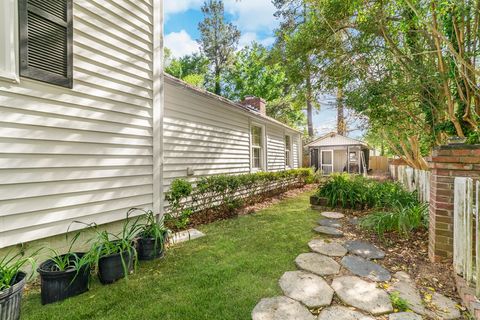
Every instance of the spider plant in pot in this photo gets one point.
(12, 282)
(151, 238)
(64, 276)
(114, 255)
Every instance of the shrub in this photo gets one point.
(227, 193)
(402, 219)
(355, 191)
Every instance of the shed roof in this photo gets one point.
(334, 139)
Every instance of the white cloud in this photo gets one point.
(178, 6)
(181, 43)
(248, 37)
(252, 15)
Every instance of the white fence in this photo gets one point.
(413, 180)
(466, 227)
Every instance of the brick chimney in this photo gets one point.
(256, 103)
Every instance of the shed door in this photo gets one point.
(327, 161)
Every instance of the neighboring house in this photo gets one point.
(85, 132)
(336, 153)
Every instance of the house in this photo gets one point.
(333, 152)
(90, 127)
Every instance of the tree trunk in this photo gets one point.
(341, 126)
(218, 88)
(311, 132)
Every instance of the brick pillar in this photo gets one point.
(446, 163)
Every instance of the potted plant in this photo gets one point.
(114, 255)
(151, 238)
(64, 276)
(12, 282)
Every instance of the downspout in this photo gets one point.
(158, 109)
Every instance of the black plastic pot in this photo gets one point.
(60, 285)
(150, 248)
(11, 298)
(111, 268)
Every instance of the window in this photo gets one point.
(288, 151)
(353, 156)
(46, 35)
(8, 40)
(257, 147)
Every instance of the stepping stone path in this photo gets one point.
(308, 288)
(328, 248)
(342, 313)
(332, 215)
(364, 249)
(280, 308)
(361, 299)
(332, 232)
(404, 316)
(317, 263)
(362, 295)
(332, 223)
(405, 288)
(365, 268)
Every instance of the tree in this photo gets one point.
(253, 72)
(190, 68)
(410, 66)
(218, 39)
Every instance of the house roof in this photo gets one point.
(247, 109)
(334, 139)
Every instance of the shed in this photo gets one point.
(337, 153)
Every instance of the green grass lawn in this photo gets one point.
(220, 276)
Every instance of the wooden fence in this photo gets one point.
(413, 180)
(466, 228)
(378, 163)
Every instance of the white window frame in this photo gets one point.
(262, 147)
(289, 157)
(9, 41)
(327, 165)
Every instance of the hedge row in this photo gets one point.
(224, 194)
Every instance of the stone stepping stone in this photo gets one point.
(364, 268)
(406, 289)
(444, 308)
(308, 288)
(332, 223)
(364, 249)
(342, 313)
(332, 215)
(317, 263)
(332, 232)
(280, 308)
(404, 316)
(328, 248)
(362, 295)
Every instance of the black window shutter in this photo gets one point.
(46, 40)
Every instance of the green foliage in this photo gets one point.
(355, 191)
(227, 193)
(218, 40)
(70, 260)
(10, 266)
(105, 243)
(190, 68)
(402, 219)
(399, 304)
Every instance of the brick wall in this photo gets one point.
(446, 163)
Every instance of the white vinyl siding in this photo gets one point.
(83, 153)
(275, 153)
(202, 134)
(211, 137)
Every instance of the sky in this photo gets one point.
(256, 21)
